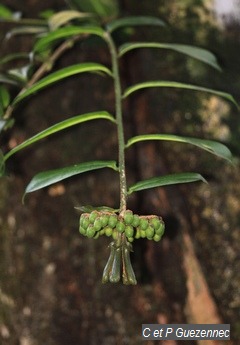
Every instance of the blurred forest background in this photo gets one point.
(50, 276)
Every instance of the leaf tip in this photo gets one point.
(203, 179)
(23, 198)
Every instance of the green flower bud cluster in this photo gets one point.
(98, 223)
(150, 227)
(107, 223)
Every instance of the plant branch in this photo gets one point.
(44, 68)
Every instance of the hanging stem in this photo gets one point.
(120, 248)
(119, 120)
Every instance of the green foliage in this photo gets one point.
(194, 52)
(26, 30)
(51, 38)
(48, 178)
(133, 21)
(4, 99)
(163, 83)
(64, 17)
(62, 74)
(213, 147)
(165, 181)
(73, 121)
(102, 8)
(5, 12)
(55, 33)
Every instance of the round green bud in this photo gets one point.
(82, 231)
(81, 220)
(130, 239)
(112, 221)
(150, 232)
(83, 217)
(85, 222)
(143, 224)
(96, 236)
(143, 233)
(102, 232)
(128, 217)
(157, 237)
(108, 231)
(129, 231)
(97, 224)
(138, 233)
(90, 231)
(120, 226)
(136, 220)
(104, 220)
(93, 215)
(155, 223)
(160, 230)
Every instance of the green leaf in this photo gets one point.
(20, 73)
(62, 74)
(26, 30)
(16, 56)
(6, 124)
(50, 177)
(134, 21)
(194, 52)
(65, 17)
(10, 79)
(65, 32)
(4, 102)
(59, 127)
(46, 14)
(5, 12)
(105, 8)
(4, 97)
(16, 19)
(2, 126)
(102, 8)
(213, 147)
(174, 84)
(165, 181)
